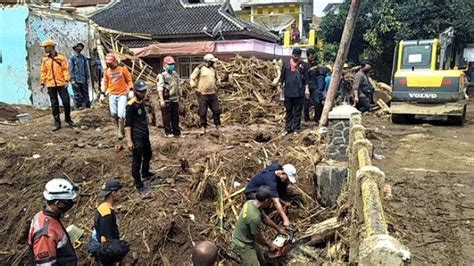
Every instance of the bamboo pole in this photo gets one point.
(340, 59)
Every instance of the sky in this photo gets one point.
(319, 5)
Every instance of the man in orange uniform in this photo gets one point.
(47, 238)
(117, 83)
(55, 76)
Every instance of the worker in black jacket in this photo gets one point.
(109, 249)
(138, 136)
(295, 89)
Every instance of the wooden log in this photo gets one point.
(321, 232)
(383, 105)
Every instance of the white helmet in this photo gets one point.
(59, 189)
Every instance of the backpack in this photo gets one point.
(166, 87)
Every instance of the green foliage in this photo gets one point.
(381, 24)
(328, 52)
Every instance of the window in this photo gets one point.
(187, 64)
(418, 56)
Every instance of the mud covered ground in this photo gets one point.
(429, 166)
(162, 227)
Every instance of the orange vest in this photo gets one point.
(117, 81)
(55, 71)
(49, 241)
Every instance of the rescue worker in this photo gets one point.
(138, 137)
(47, 238)
(362, 89)
(169, 92)
(248, 231)
(204, 80)
(105, 222)
(204, 254)
(315, 80)
(79, 68)
(55, 76)
(117, 83)
(293, 81)
(277, 179)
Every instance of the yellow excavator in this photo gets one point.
(426, 80)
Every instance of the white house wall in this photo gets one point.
(65, 31)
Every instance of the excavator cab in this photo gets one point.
(425, 81)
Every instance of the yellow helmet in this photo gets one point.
(48, 43)
(346, 65)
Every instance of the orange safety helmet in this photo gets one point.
(169, 60)
(110, 58)
(48, 43)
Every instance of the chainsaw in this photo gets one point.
(284, 244)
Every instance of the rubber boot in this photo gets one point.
(57, 123)
(121, 130)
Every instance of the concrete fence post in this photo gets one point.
(368, 226)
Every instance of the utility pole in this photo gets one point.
(340, 59)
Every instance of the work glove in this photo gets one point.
(130, 95)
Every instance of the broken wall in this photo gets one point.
(67, 30)
(13, 55)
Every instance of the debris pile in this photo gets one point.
(247, 93)
(196, 175)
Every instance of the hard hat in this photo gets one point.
(329, 67)
(346, 65)
(110, 58)
(140, 85)
(48, 43)
(169, 60)
(290, 171)
(210, 58)
(59, 189)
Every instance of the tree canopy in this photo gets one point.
(381, 24)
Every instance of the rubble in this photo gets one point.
(190, 173)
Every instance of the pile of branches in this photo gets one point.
(247, 93)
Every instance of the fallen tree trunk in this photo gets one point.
(322, 231)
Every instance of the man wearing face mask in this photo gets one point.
(138, 137)
(55, 76)
(362, 89)
(169, 91)
(117, 83)
(48, 240)
(204, 80)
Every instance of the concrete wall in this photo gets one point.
(66, 31)
(13, 64)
